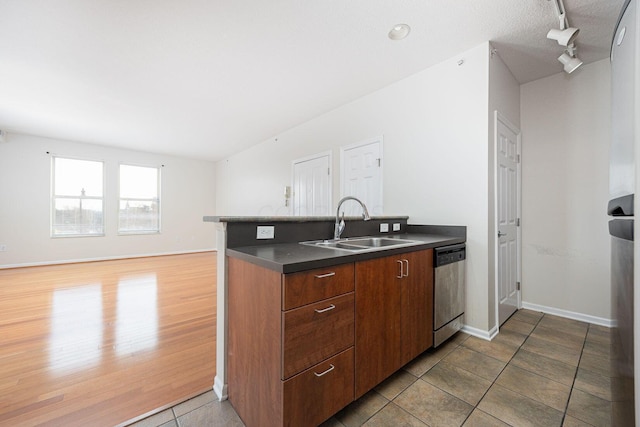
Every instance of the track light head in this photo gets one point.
(571, 63)
(563, 37)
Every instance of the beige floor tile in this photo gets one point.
(393, 415)
(480, 364)
(432, 405)
(597, 348)
(559, 337)
(568, 326)
(427, 360)
(161, 418)
(552, 351)
(599, 334)
(518, 326)
(542, 365)
(574, 422)
(457, 382)
(332, 422)
(518, 410)
(536, 387)
(528, 316)
(598, 364)
(482, 419)
(212, 414)
(194, 403)
(459, 337)
(589, 408)
(496, 349)
(508, 337)
(358, 412)
(593, 383)
(395, 384)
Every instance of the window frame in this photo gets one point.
(54, 197)
(157, 199)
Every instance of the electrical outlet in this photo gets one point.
(396, 227)
(384, 228)
(3, 247)
(265, 232)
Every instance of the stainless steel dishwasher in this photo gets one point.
(448, 291)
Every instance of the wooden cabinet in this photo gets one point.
(302, 346)
(291, 337)
(394, 315)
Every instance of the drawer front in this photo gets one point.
(315, 332)
(319, 392)
(306, 287)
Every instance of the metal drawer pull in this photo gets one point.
(406, 274)
(401, 275)
(322, 276)
(331, 307)
(325, 372)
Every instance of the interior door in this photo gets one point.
(312, 186)
(361, 166)
(508, 209)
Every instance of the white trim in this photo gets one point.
(569, 314)
(220, 389)
(108, 258)
(480, 333)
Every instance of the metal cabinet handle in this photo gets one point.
(331, 307)
(325, 372)
(406, 274)
(401, 275)
(322, 276)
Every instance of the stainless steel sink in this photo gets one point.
(361, 244)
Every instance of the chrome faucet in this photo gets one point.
(339, 227)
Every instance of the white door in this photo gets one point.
(312, 186)
(508, 210)
(361, 172)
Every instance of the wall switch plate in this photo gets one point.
(3, 247)
(396, 227)
(265, 232)
(384, 228)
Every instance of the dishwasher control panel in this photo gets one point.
(449, 254)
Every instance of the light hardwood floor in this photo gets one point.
(105, 343)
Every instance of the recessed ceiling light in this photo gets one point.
(399, 31)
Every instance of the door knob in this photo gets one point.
(500, 234)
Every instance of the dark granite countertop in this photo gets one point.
(295, 257)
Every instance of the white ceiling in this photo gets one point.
(209, 78)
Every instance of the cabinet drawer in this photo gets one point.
(314, 332)
(319, 392)
(314, 285)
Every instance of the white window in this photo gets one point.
(77, 206)
(139, 200)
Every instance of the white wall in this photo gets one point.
(25, 168)
(435, 127)
(566, 130)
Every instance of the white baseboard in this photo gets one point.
(109, 258)
(569, 314)
(480, 333)
(220, 389)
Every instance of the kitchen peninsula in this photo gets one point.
(306, 326)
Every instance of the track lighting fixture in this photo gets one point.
(571, 63)
(565, 36)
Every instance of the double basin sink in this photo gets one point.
(362, 244)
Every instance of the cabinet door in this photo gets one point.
(416, 302)
(377, 335)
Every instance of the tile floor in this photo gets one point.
(541, 370)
